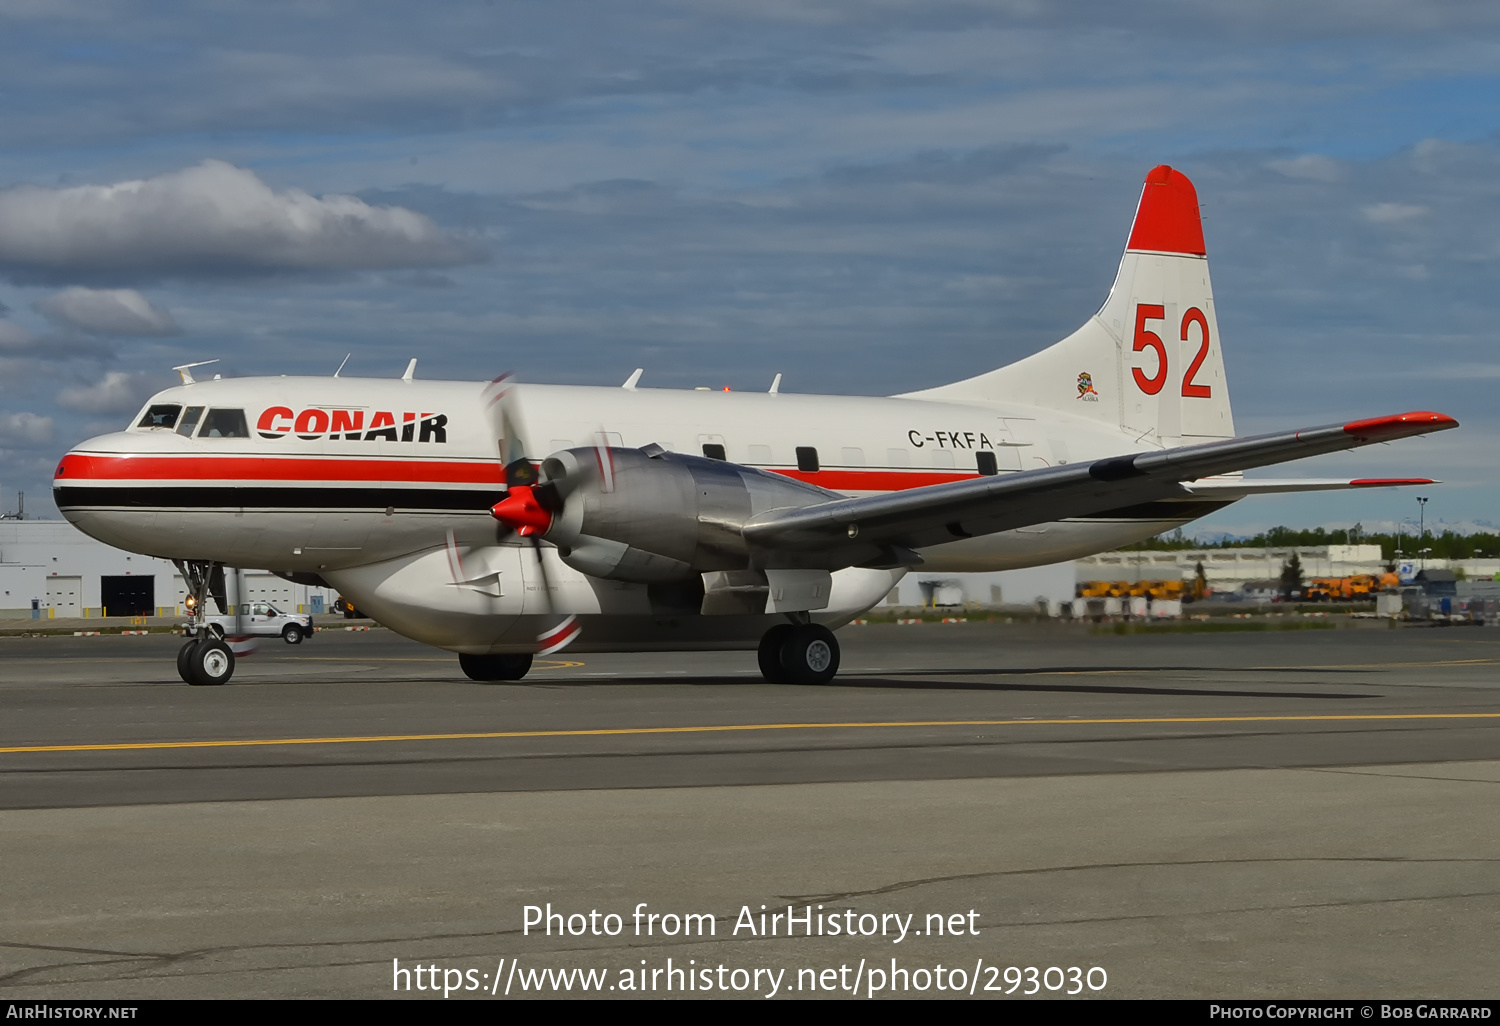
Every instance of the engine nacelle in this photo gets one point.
(649, 516)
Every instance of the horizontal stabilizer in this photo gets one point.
(1231, 488)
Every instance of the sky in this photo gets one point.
(866, 197)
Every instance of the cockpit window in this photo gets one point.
(160, 416)
(225, 424)
(189, 421)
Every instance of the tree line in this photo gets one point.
(1445, 545)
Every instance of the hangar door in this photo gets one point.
(128, 595)
(278, 591)
(65, 596)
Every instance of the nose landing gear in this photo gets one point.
(204, 659)
(800, 653)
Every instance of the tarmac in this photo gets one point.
(1276, 814)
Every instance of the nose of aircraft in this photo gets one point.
(96, 488)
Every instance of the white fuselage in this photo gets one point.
(383, 488)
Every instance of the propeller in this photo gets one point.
(529, 505)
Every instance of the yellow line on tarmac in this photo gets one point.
(602, 732)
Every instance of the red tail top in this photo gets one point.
(1167, 220)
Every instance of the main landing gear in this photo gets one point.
(799, 653)
(489, 668)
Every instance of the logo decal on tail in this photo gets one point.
(1086, 388)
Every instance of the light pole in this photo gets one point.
(1422, 528)
(1400, 552)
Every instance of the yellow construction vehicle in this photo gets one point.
(1324, 589)
(1166, 589)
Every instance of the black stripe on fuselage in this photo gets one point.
(458, 499)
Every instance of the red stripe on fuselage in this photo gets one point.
(78, 468)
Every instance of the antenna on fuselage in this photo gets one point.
(341, 365)
(186, 370)
(776, 385)
(411, 369)
(631, 381)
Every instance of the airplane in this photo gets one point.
(502, 521)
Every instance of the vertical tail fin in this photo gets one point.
(1149, 360)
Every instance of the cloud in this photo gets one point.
(1311, 167)
(1392, 213)
(25, 429)
(14, 338)
(106, 312)
(213, 219)
(28, 348)
(422, 280)
(117, 392)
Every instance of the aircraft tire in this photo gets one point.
(292, 634)
(810, 654)
(769, 654)
(184, 660)
(210, 663)
(500, 666)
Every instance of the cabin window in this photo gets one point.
(807, 458)
(225, 424)
(160, 416)
(760, 455)
(852, 457)
(987, 464)
(189, 421)
(942, 458)
(714, 451)
(898, 457)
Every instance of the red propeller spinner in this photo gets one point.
(521, 512)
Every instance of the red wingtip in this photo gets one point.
(1167, 220)
(1400, 425)
(1388, 482)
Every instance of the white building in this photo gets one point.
(52, 568)
(1052, 584)
(1227, 569)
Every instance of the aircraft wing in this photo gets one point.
(883, 530)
